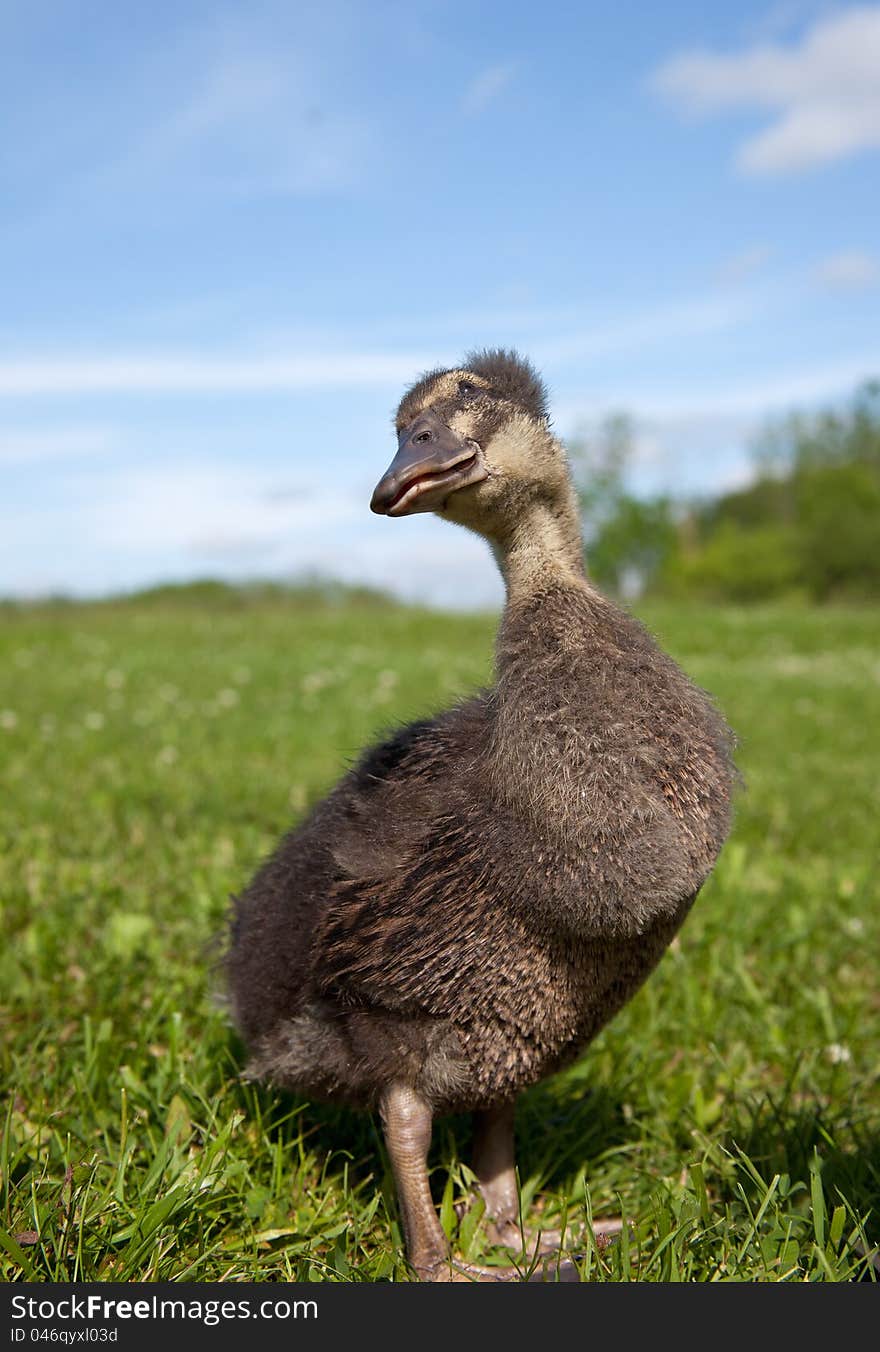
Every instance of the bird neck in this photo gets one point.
(542, 546)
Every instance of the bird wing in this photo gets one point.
(415, 941)
(405, 925)
(389, 802)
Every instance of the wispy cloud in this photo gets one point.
(853, 271)
(696, 441)
(486, 87)
(824, 89)
(257, 125)
(740, 267)
(208, 508)
(559, 337)
(689, 318)
(241, 112)
(32, 446)
(782, 18)
(803, 386)
(133, 525)
(187, 373)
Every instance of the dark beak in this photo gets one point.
(430, 459)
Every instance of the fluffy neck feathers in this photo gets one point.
(541, 547)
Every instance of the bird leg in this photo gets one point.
(494, 1166)
(493, 1161)
(407, 1119)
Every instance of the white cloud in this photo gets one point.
(781, 18)
(257, 125)
(135, 525)
(730, 405)
(234, 107)
(824, 89)
(689, 318)
(683, 451)
(739, 473)
(418, 558)
(196, 508)
(218, 373)
(137, 519)
(741, 266)
(853, 271)
(150, 374)
(486, 87)
(30, 446)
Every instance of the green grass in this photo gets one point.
(151, 754)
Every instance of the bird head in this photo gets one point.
(474, 445)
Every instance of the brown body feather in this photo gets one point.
(484, 890)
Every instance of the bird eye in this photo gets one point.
(466, 387)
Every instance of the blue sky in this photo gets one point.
(232, 235)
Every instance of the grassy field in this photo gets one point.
(151, 754)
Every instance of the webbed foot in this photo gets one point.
(550, 1269)
(535, 1239)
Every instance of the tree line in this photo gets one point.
(807, 525)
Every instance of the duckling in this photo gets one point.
(485, 889)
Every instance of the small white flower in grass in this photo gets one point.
(224, 851)
(168, 692)
(114, 679)
(8, 719)
(228, 698)
(167, 756)
(94, 721)
(385, 683)
(855, 926)
(838, 1054)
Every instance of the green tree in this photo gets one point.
(739, 564)
(628, 539)
(839, 529)
(811, 519)
(808, 523)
